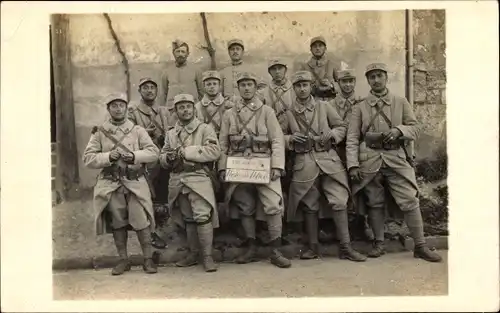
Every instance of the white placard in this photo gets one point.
(252, 170)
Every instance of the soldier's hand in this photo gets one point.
(355, 174)
(325, 82)
(275, 173)
(298, 138)
(222, 175)
(151, 130)
(114, 155)
(391, 135)
(128, 157)
(181, 153)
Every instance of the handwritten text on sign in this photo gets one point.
(248, 170)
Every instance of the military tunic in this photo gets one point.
(211, 111)
(280, 98)
(136, 191)
(184, 79)
(262, 123)
(376, 164)
(315, 172)
(191, 195)
(322, 68)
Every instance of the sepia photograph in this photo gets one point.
(304, 153)
(204, 146)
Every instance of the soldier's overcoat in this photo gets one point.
(96, 156)
(200, 146)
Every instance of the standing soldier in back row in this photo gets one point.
(181, 77)
(250, 129)
(314, 130)
(236, 50)
(153, 117)
(377, 158)
(322, 69)
(122, 198)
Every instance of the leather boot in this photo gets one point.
(120, 237)
(277, 258)
(423, 252)
(250, 254)
(144, 236)
(348, 253)
(377, 250)
(312, 251)
(205, 235)
(191, 258)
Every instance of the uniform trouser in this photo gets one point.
(125, 209)
(194, 208)
(245, 199)
(405, 195)
(337, 196)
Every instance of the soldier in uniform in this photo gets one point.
(279, 95)
(343, 104)
(236, 50)
(210, 110)
(314, 129)
(251, 129)
(379, 130)
(189, 149)
(322, 69)
(153, 117)
(122, 198)
(180, 77)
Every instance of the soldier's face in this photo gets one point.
(302, 89)
(347, 84)
(148, 91)
(377, 80)
(318, 49)
(212, 86)
(247, 89)
(185, 110)
(277, 72)
(181, 54)
(235, 52)
(117, 109)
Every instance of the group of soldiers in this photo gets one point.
(329, 151)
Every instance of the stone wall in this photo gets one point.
(429, 40)
(355, 38)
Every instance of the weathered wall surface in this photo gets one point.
(430, 80)
(356, 38)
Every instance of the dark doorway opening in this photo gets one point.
(53, 137)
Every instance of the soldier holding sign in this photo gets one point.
(314, 129)
(153, 117)
(377, 158)
(252, 162)
(190, 147)
(122, 198)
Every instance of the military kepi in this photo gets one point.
(348, 73)
(115, 97)
(245, 76)
(276, 61)
(147, 80)
(376, 66)
(235, 42)
(301, 76)
(210, 74)
(318, 38)
(183, 97)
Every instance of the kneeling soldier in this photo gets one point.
(190, 147)
(379, 130)
(122, 198)
(251, 129)
(314, 130)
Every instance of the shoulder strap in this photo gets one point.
(244, 124)
(304, 123)
(118, 143)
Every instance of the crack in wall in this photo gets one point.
(121, 52)
(209, 47)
